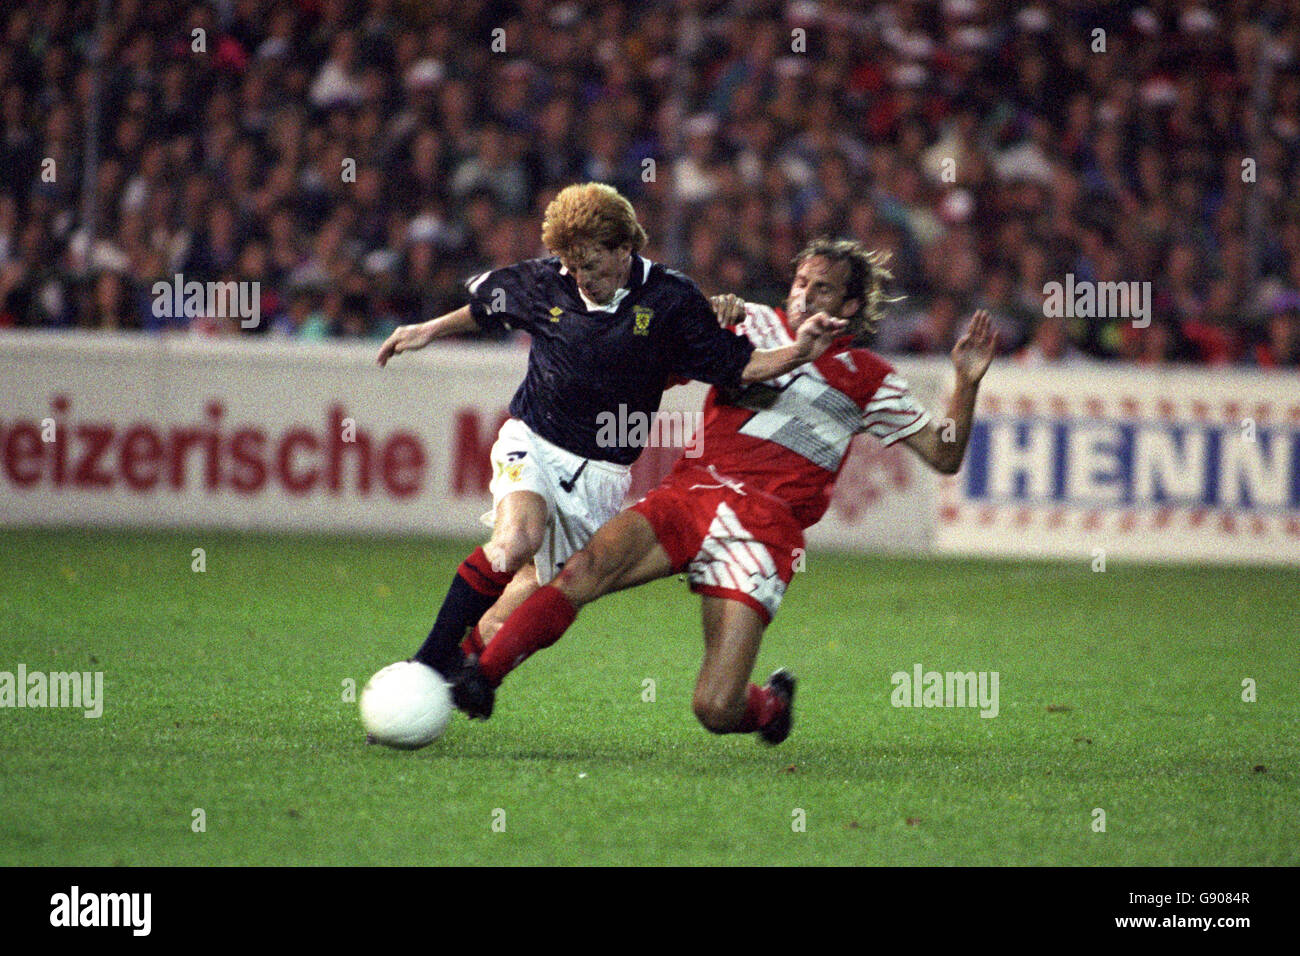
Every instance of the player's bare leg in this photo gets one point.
(482, 579)
(732, 634)
(521, 587)
(622, 554)
(725, 700)
(517, 531)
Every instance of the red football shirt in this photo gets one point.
(789, 437)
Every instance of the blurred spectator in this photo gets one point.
(360, 159)
(1050, 345)
(1158, 343)
(921, 330)
(1281, 345)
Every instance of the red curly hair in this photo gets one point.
(590, 213)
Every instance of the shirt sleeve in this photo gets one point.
(893, 412)
(501, 298)
(707, 352)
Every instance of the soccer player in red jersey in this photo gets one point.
(733, 519)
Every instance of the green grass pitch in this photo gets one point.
(224, 692)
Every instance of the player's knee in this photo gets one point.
(511, 548)
(718, 716)
(580, 579)
(505, 555)
(594, 571)
(577, 568)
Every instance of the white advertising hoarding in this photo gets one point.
(1171, 465)
(124, 430)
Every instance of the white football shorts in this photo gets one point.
(581, 494)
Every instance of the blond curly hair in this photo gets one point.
(590, 213)
(868, 277)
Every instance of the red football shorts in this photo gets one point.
(731, 543)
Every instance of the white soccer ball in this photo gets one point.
(406, 705)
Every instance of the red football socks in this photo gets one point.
(476, 571)
(474, 588)
(537, 623)
(473, 643)
(761, 705)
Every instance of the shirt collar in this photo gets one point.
(611, 306)
(636, 278)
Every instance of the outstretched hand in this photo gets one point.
(729, 308)
(817, 332)
(405, 338)
(974, 351)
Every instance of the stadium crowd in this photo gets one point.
(360, 159)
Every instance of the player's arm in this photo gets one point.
(814, 337)
(708, 354)
(408, 338)
(942, 444)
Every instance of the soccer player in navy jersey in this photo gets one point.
(608, 328)
(733, 520)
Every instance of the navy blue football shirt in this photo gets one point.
(583, 363)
